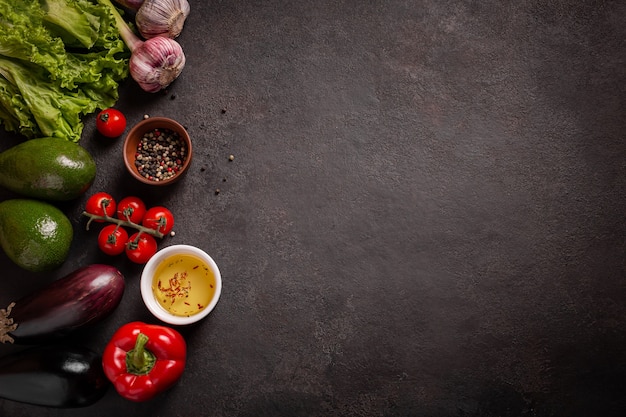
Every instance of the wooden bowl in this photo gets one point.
(160, 127)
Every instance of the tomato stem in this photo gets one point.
(119, 222)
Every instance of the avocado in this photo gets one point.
(34, 234)
(52, 169)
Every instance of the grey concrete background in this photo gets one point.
(424, 216)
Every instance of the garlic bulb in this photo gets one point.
(156, 63)
(162, 18)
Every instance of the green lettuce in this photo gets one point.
(59, 60)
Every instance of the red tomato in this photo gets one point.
(131, 209)
(159, 218)
(111, 123)
(140, 247)
(112, 239)
(99, 204)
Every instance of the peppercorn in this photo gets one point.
(160, 154)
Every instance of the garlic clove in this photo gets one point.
(162, 18)
(156, 63)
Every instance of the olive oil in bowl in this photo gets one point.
(183, 284)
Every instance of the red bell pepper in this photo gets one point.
(142, 360)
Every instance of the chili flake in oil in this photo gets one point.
(173, 287)
(179, 287)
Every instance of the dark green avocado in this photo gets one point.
(52, 169)
(34, 234)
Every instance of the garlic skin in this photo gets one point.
(161, 18)
(156, 63)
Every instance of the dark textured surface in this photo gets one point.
(424, 216)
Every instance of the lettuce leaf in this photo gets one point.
(59, 60)
(56, 112)
(71, 23)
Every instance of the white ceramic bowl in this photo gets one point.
(147, 277)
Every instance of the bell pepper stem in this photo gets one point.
(139, 360)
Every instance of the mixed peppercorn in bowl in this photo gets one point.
(157, 151)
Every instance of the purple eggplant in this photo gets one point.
(53, 376)
(84, 297)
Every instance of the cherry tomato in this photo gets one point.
(99, 204)
(112, 239)
(140, 247)
(131, 209)
(159, 218)
(111, 123)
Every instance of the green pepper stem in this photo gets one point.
(139, 360)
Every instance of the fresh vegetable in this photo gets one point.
(159, 218)
(162, 18)
(34, 234)
(48, 169)
(154, 63)
(112, 239)
(81, 298)
(59, 60)
(53, 376)
(143, 360)
(158, 17)
(107, 218)
(131, 209)
(111, 123)
(131, 213)
(101, 203)
(140, 248)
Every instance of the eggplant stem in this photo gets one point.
(6, 324)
